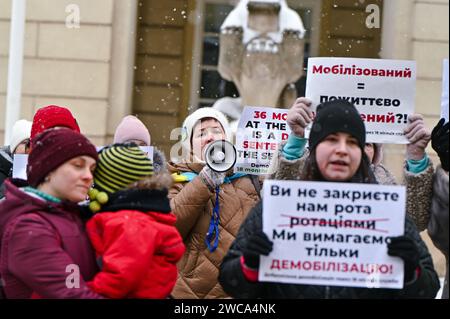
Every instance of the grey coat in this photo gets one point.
(438, 225)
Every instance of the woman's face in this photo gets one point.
(205, 132)
(71, 181)
(338, 157)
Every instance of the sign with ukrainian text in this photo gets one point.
(260, 131)
(332, 234)
(383, 91)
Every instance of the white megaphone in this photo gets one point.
(220, 156)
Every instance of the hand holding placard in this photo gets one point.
(405, 248)
(257, 244)
(299, 116)
(418, 136)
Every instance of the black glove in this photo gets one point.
(439, 142)
(405, 248)
(257, 244)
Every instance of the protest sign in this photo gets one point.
(260, 131)
(332, 234)
(148, 150)
(20, 166)
(383, 91)
(444, 103)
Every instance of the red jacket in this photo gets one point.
(43, 245)
(138, 250)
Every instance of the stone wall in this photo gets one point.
(71, 67)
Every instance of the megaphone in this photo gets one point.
(220, 156)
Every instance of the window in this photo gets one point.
(207, 84)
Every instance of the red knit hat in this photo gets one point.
(52, 116)
(54, 147)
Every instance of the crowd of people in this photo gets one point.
(116, 223)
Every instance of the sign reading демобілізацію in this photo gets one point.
(383, 91)
(332, 234)
(260, 131)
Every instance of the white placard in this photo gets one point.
(444, 103)
(148, 150)
(383, 91)
(332, 234)
(260, 131)
(20, 166)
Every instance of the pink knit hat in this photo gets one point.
(131, 128)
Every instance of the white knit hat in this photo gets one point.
(20, 132)
(190, 122)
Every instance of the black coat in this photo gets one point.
(236, 285)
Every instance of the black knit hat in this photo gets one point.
(337, 116)
(120, 165)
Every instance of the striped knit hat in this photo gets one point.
(120, 165)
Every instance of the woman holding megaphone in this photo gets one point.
(336, 143)
(210, 205)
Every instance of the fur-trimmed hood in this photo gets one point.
(159, 161)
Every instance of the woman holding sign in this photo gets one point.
(337, 142)
(209, 206)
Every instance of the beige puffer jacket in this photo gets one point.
(193, 203)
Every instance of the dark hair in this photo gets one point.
(27, 144)
(364, 174)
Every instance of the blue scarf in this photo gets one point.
(213, 230)
(189, 176)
